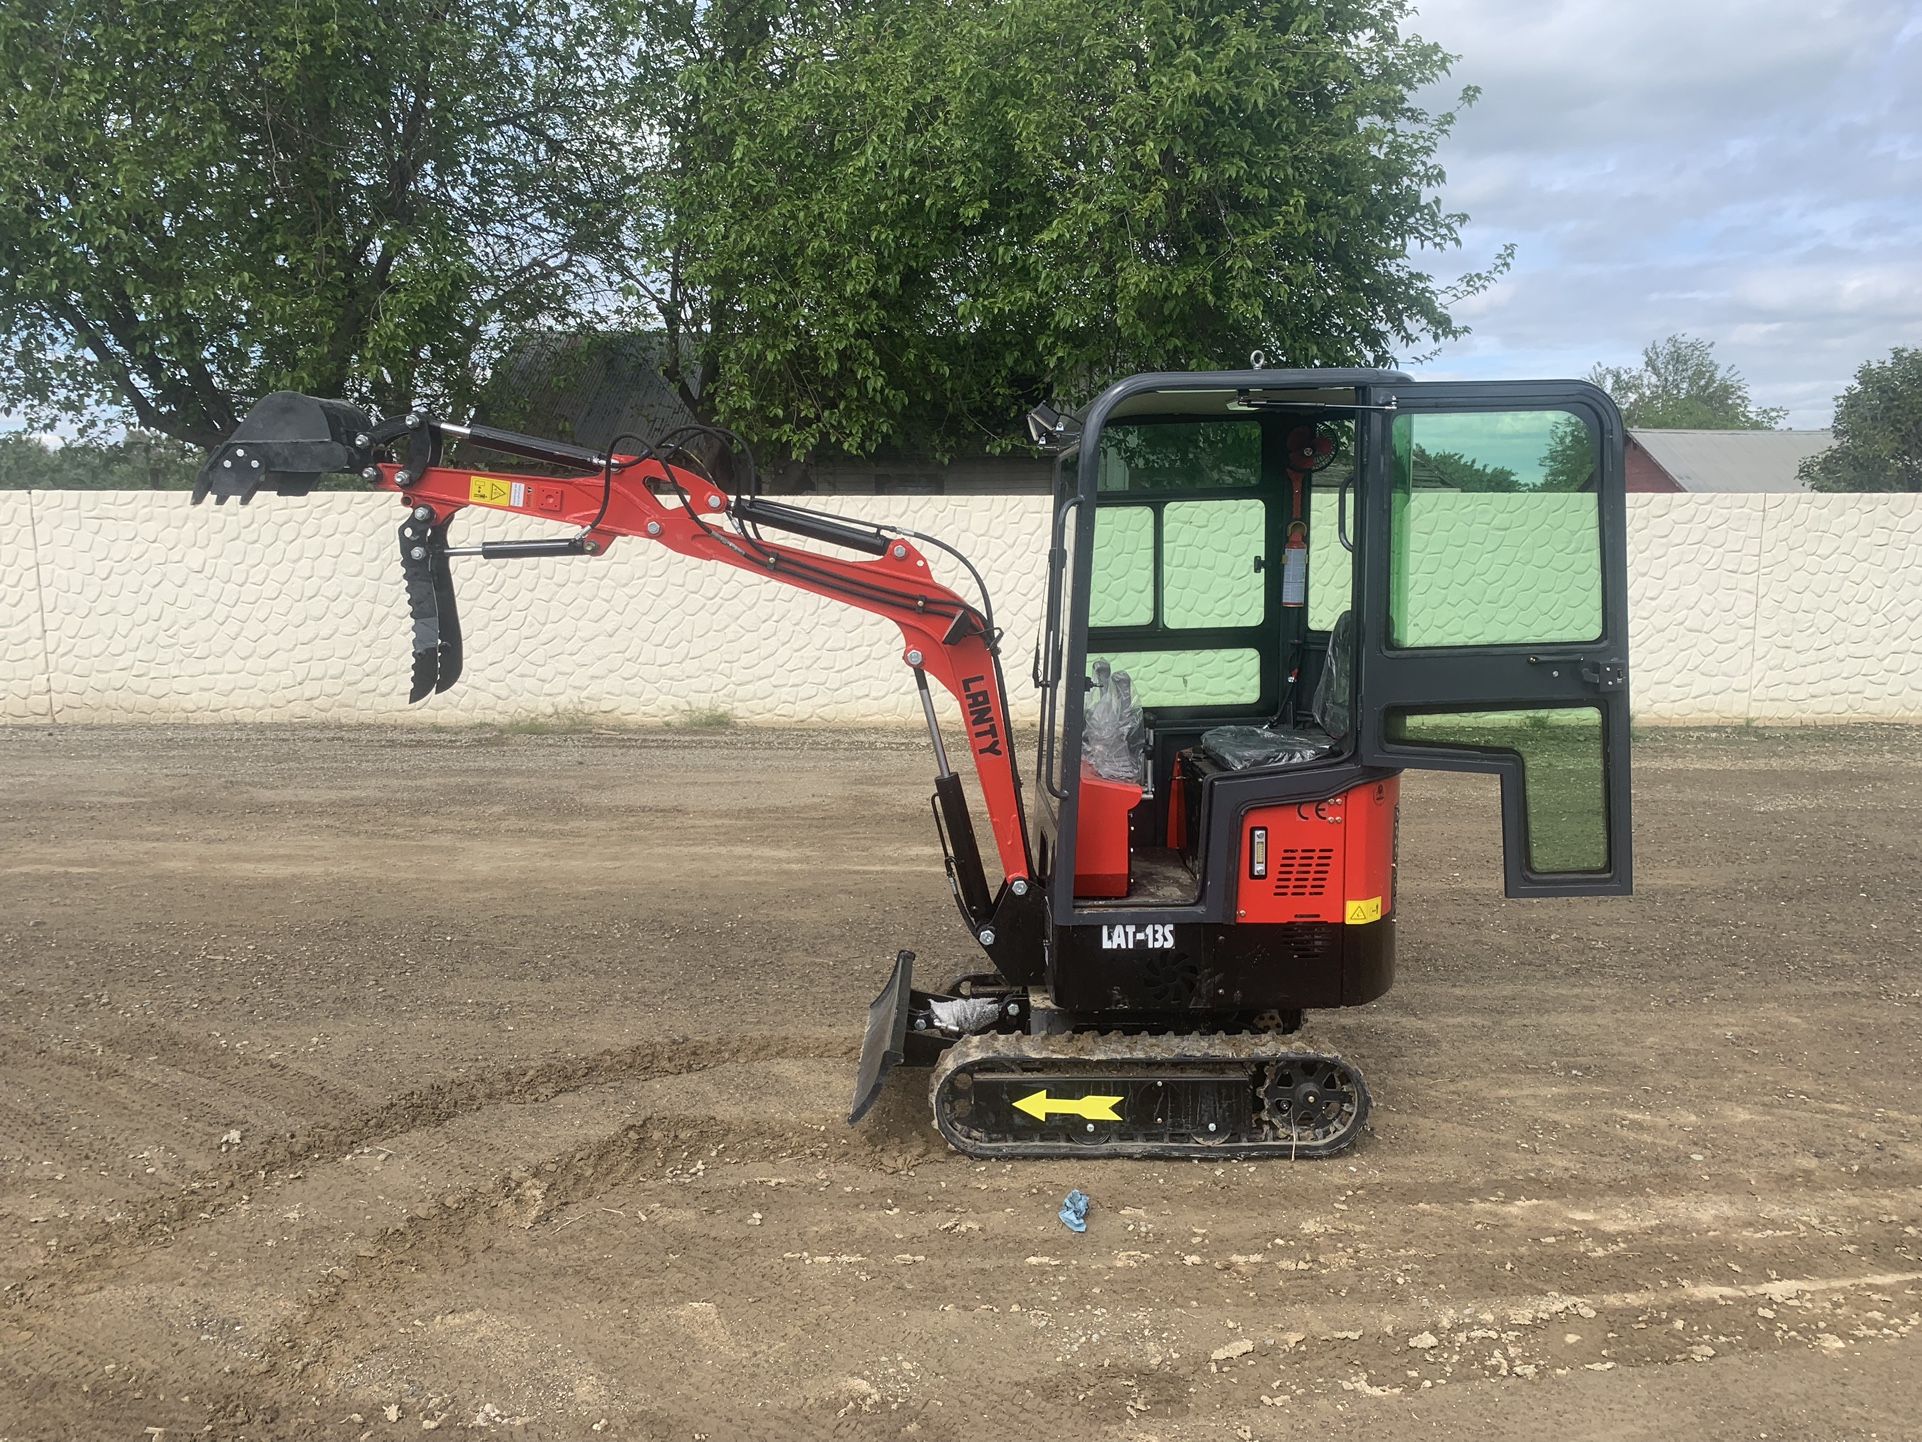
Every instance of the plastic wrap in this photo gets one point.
(1114, 738)
(1333, 705)
(1239, 747)
(965, 1013)
(1074, 1210)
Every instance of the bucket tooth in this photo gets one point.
(286, 443)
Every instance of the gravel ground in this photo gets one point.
(361, 1084)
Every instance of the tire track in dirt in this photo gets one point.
(213, 1191)
(171, 1321)
(1337, 1285)
(453, 1230)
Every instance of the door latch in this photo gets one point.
(1600, 675)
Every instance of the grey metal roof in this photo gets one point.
(1749, 462)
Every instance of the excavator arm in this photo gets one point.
(661, 496)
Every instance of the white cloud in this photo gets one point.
(1747, 172)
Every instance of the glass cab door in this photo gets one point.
(1494, 630)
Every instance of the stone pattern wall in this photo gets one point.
(24, 694)
(120, 606)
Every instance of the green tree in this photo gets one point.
(137, 461)
(202, 200)
(1877, 428)
(1455, 470)
(1569, 461)
(900, 223)
(855, 224)
(1679, 386)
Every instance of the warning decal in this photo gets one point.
(486, 491)
(1360, 912)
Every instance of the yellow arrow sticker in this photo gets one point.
(1041, 1106)
(1362, 912)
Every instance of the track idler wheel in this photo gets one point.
(1319, 1101)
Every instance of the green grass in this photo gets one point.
(553, 723)
(706, 718)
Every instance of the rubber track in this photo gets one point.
(1206, 1051)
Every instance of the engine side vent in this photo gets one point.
(1303, 870)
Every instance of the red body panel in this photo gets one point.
(1330, 860)
(1101, 866)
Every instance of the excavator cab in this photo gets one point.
(1311, 581)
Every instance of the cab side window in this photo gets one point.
(1180, 581)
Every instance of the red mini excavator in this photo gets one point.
(1270, 593)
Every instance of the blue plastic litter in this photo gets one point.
(1074, 1211)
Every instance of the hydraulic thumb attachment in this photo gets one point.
(430, 592)
(430, 602)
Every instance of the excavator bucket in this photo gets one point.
(286, 444)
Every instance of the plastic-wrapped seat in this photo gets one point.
(1241, 747)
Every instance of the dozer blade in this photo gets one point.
(886, 1042)
(430, 603)
(286, 443)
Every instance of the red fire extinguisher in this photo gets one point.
(1294, 566)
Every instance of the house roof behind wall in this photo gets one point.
(1750, 462)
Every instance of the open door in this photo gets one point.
(1494, 615)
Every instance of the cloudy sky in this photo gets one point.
(1749, 171)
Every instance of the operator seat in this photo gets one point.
(1240, 747)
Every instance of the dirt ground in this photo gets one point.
(360, 1084)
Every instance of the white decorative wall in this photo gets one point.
(23, 659)
(122, 606)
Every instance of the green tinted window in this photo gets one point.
(1331, 569)
(1227, 677)
(1493, 540)
(1201, 549)
(1180, 455)
(1122, 580)
(1211, 551)
(1564, 786)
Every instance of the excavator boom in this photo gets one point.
(663, 496)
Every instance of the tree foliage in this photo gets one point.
(137, 461)
(1568, 464)
(1461, 473)
(899, 223)
(859, 224)
(1679, 386)
(1877, 429)
(202, 200)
